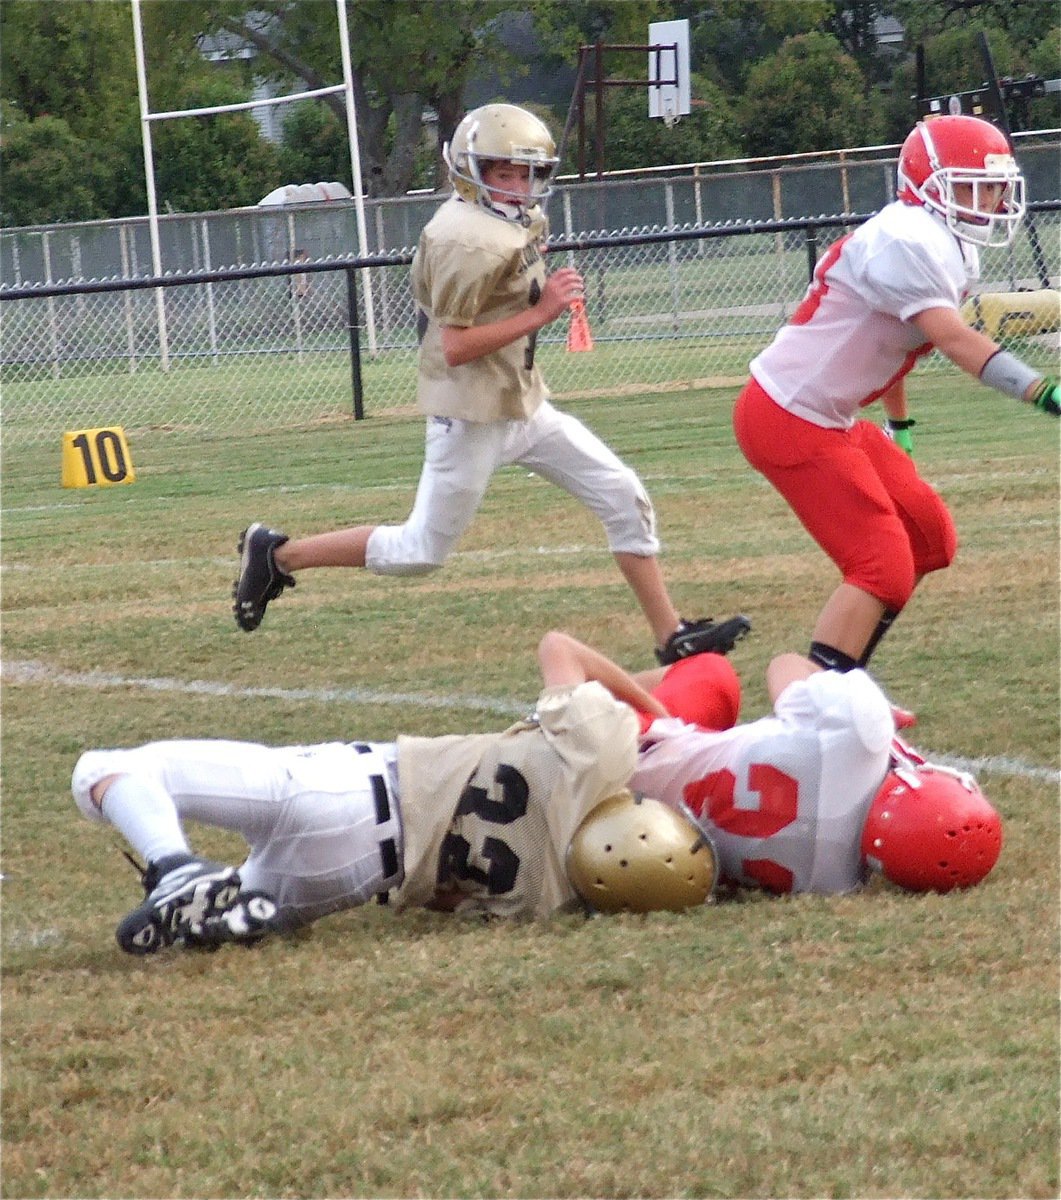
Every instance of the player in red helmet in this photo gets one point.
(484, 823)
(881, 298)
(963, 169)
(816, 797)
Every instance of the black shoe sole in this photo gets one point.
(251, 917)
(719, 640)
(153, 926)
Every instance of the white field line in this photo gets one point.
(36, 672)
(659, 479)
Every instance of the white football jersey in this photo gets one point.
(852, 336)
(492, 815)
(784, 797)
(474, 268)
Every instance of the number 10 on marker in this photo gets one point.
(96, 457)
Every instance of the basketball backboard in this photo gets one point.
(668, 70)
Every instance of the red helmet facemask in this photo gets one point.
(931, 829)
(963, 169)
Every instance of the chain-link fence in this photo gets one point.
(256, 347)
(852, 181)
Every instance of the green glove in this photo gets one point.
(1047, 397)
(899, 432)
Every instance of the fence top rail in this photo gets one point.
(843, 157)
(589, 241)
(805, 160)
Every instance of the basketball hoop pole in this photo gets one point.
(599, 82)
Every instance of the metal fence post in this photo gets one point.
(353, 326)
(811, 237)
(672, 259)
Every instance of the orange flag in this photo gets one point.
(579, 337)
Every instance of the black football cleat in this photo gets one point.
(703, 637)
(260, 579)
(181, 890)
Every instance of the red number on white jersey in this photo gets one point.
(712, 797)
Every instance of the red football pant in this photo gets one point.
(856, 492)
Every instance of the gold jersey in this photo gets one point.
(491, 815)
(474, 268)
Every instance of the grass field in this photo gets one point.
(879, 1044)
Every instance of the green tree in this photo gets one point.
(49, 173)
(730, 36)
(1022, 22)
(808, 96)
(62, 71)
(315, 145)
(212, 162)
(563, 28)
(404, 58)
(73, 63)
(854, 25)
(1045, 113)
(952, 63)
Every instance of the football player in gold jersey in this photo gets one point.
(476, 824)
(817, 797)
(483, 293)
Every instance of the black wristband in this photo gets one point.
(901, 422)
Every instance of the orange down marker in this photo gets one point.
(579, 338)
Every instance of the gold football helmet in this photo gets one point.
(636, 854)
(506, 133)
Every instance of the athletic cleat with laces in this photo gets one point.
(260, 579)
(703, 637)
(181, 891)
(248, 919)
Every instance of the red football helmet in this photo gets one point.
(946, 153)
(931, 829)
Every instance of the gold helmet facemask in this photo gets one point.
(501, 133)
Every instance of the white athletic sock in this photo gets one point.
(144, 813)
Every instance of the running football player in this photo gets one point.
(480, 282)
(881, 298)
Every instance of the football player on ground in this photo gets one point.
(473, 824)
(815, 798)
(480, 282)
(881, 298)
